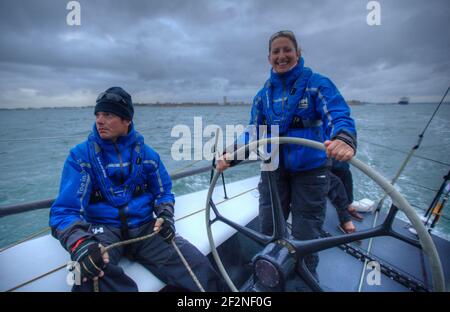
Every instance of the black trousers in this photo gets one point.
(158, 257)
(303, 194)
(347, 180)
(339, 199)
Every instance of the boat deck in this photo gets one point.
(341, 271)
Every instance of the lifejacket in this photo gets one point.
(117, 195)
(297, 118)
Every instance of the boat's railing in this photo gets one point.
(46, 203)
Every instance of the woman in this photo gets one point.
(302, 104)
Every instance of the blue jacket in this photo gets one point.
(94, 166)
(300, 96)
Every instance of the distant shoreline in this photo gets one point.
(142, 105)
(207, 104)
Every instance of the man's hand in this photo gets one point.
(222, 163)
(339, 150)
(165, 226)
(92, 259)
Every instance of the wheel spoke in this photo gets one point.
(307, 277)
(307, 247)
(253, 235)
(279, 222)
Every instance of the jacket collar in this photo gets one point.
(122, 142)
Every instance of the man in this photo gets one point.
(111, 188)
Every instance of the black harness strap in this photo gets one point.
(123, 223)
(97, 197)
(299, 123)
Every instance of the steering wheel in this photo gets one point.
(290, 249)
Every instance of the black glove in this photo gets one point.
(89, 257)
(168, 227)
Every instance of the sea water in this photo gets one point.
(35, 143)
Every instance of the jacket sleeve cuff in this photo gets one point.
(73, 234)
(164, 207)
(347, 138)
(237, 158)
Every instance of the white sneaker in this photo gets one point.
(412, 230)
(364, 205)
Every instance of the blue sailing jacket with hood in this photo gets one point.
(115, 170)
(308, 98)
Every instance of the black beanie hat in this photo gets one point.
(117, 101)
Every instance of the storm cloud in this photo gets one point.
(200, 50)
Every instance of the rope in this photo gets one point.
(183, 259)
(403, 152)
(130, 241)
(26, 239)
(422, 186)
(186, 264)
(37, 277)
(142, 238)
(115, 245)
(118, 244)
(187, 166)
(38, 139)
(435, 111)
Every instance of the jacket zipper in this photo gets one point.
(116, 147)
(289, 156)
(282, 96)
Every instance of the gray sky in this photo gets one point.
(188, 50)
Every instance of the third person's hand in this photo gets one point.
(222, 163)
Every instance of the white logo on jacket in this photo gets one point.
(303, 103)
(97, 230)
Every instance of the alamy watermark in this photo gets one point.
(73, 18)
(190, 145)
(374, 276)
(374, 16)
(73, 276)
